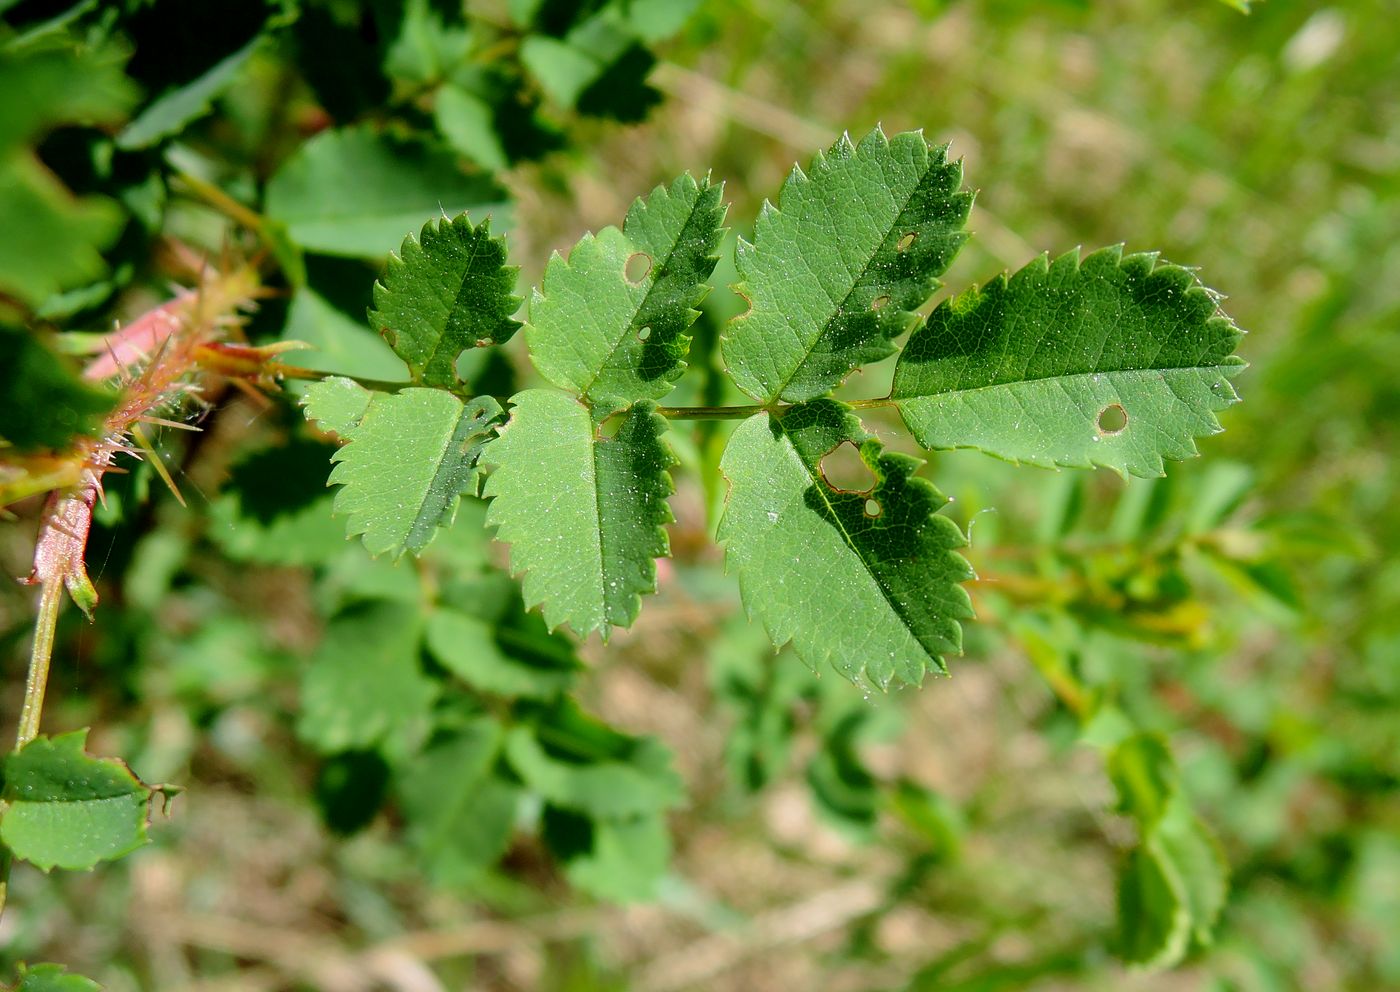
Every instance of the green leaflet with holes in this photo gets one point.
(446, 291)
(583, 515)
(865, 581)
(408, 457)
(610, 322)
(836, 270)
(1118, 360)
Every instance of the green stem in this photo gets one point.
(45, 623)
(297, 372)
(709, 412)
(221, 201)
(50, 601)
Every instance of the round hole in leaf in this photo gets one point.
(845, 471)
(879, 302)
(905, 242)
(644, 333)
(1113, 419)
(638, 265)
(873, 508)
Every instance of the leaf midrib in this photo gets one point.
(467, 270)
(777, 394)
(1059, 378)
(832, 516)
(656, 278)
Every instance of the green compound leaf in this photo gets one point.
(69, 810)
(868, 581)
(365, 687)
(1118, 360)
(610, 323)
(459, 816)
(448, 290)
(835, 271)
(577, 763)
(408, 458)
(53, 978)
(359, 193)
(583, 515)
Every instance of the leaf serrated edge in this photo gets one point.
(843, 149)
(507, 534)
(1185, 280)
(416, 248)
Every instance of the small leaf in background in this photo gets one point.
(583, 515)
(867, 581)
(577, 763)
(43, 402)
(169, 113)
(618, 859)
(469, 124)
(350, 789)
(73, 231)
(408, 457)
(54, 82)
(598, 68)
(448, 290)
(610, 322)
(274, 508)
(1153, 920)
(1145, 776)
(365, 686)
(494, 658)
(459, 815)
(1114, 360)
(358, 192)
(68, 810)
(837, 268)
(52, 978)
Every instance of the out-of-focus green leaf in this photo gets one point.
(579, 764)
(44, 403)
(358, 192)
(495, 659)
(68, 810)
(169, 113)
(53, 240)
(53, 978)
(459, 816)
(365, 687)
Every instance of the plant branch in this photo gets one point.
(50, 601)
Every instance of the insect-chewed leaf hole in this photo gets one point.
(1113, 419)
(879, 302)
(873, 507)
(637, 267)
(904, 243)
(644, 333)
(844, 471)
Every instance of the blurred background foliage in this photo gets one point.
(697, 813)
